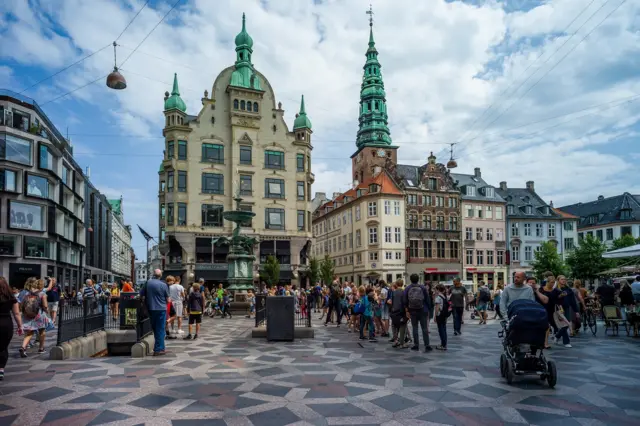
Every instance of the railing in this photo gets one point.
(302, 314)
(78, 320)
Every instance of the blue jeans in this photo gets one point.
(564, 333)
(158, 320)
(457, 318)
(372, 330)
(442, 331)
(419, 318)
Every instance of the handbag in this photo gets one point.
(559, 318)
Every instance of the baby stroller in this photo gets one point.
(523, 338)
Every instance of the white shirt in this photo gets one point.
(176, 292)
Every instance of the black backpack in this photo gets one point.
(485, 296)
(446, 309)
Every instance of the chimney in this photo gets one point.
(600, 197)
(551, 203)
(336, 195)
(321, 195)
(88, 173)
(503, 186)
(476, 172)
(530, 186)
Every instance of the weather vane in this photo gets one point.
(370, 13)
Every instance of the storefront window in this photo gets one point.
(37, 247)
(26, 216)
(8, 245)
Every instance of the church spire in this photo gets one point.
(175, 101)
(373, 128)
(244, 74)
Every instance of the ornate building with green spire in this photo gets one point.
(373, 140)
(236, 144)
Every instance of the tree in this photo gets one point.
(314, 270)
(586, 261)
(547, 259)
(272, 271)
(327, 269)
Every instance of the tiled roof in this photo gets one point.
(410, 175)
(465, 180)
(520, 198)
(387, 186)
(564, 215)
(607, 210)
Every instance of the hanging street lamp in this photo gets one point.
(115, 80)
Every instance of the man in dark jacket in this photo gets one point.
(334, 302)
(417, 302)
(398, 315)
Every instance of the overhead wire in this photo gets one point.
(132, 19)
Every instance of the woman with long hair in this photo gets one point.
(8, 308)
(34, 308)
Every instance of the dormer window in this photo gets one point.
(528, 210)
(359, 193)
(510, 209)
(488, 192)
(592, 219)
(625, 214)
(433, 184)
(347, 199)
(545, 210)
(373, 187)
(471, 191)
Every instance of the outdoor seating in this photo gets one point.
(613, 319)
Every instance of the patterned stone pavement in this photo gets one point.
(225, 378)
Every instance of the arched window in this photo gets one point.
(249, 106)
(235, 104)
(255, 107)
(242, 105)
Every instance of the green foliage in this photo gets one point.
(547, 259)
(314, 270)
(327, 269)
(585, 261)
(271, 271)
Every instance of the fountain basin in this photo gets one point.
(238, 216)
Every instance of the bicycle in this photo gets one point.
(591, 315)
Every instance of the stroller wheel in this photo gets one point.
(552, 374)
(509, 371)
(503, 365)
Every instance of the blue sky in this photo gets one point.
(467, 72)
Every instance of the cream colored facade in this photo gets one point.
(229, 150)
(364, 235)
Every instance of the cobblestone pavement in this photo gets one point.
(227, 378)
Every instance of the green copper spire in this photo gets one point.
(373, 130)
(175, 101)
(244, 74)
(302, 121)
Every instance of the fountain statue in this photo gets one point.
(240, 258)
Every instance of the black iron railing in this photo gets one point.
(302, 312)
(78, 320)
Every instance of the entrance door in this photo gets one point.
(20, 272)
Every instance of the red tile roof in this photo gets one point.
(565, 215)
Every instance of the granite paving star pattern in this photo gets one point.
(227, 378)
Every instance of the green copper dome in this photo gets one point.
(175, 101)
(243, 38)
(302, 121)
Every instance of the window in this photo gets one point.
(479, 234)
(426, 221)
(38, 186)
(471, 191)
(21, 120)
(246, 185)
(212, 153)
(26, 216)
(274, 160)
(46, 159)
(625, 214)
(357, 213)
(163, 213)
(373, 235)
(569, 244)
(396, 208)
(609, 234)
(236, 104)
(469, 209)
(8, 181)
(412, 200)
(453, 223)
(182, 181)
(552, 230)
(300, 162)
(440, 246)
(359, 260)
(387, 234)
(489, 212)
(169, 181)
(625, 230)
(499, 234)
(527, 229)
(488, 192)
(67, 230)
(66, 176)
(373, 256)
(170, 149)
(498, 213)
(398, 235)
(388, 255)
(255, 107)
(427, 246)
(469, 256)
(245, 155)
(300, 192)
(182, 150)
(599, 235)
(243, 105)
(246, 208)
(439, 201)
(182, 214)
(453, 249)
(387, 207)
(479, 212)
(8, 243)
(412, 221)
(170, 214)
(249, 106)
(372, 208)
(212, 183)
(500, 257)
(453, 202)
(426, 200)
(468, 234)
(440, 223)
(358, 238)
(38, 247)
(274, 219)
(539, 232)
(568, 226)
(398, 255)
(433, 184)
(528, 253)
(489, 234)
(301, 217)
(515, 253)
(514, 229)
(350, 239)
(489, 257)
(274, 188)
(413, 248)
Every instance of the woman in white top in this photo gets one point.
(176, 293)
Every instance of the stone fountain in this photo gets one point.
(240, 258)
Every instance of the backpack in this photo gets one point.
(415, 296)
(31, 306)
(485, 296)
(445, 311)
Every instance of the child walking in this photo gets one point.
(195, 306)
